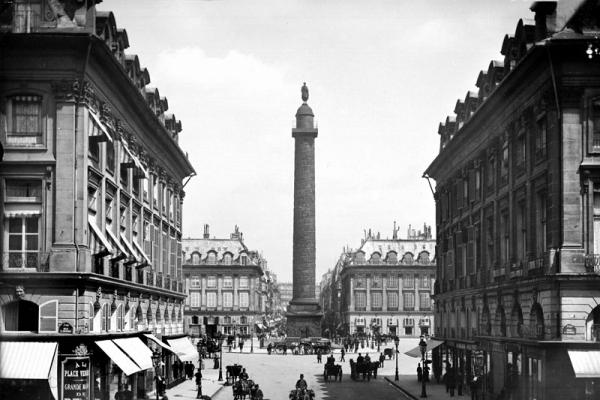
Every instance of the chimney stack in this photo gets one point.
(206, 232)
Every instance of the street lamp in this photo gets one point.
(396, 341)
(199, 348)
(423, 347)
(252, 339)
(220, 356)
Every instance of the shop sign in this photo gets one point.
(65, 327)
(76, 378)
(569, 330)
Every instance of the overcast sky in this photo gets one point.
(382, 74)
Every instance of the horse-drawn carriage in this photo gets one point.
(246, 387)
(389, 353)
(232, 373)
(302, 394)
(364, 368)
(334, 370)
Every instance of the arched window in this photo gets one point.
(486, 325)
(516, 321)
(227, 258)
(211, 257)
(375, 258)
(139, 315)
(408, 258)
(391, 257)
(158, 315)
(195, 258)
(536, 321)
(149, 315)
(21, 315)
(49, 316)
(119, 317)
(91, 315)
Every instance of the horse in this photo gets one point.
(241, 389)
(300, 394)
(334, 370)
(365, 368)
(233, 372)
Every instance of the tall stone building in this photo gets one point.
(91, 185)
(223, 286)
(303, 313)
(383, 287)
(517, 213)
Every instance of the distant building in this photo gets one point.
(518, 214)
(285, 293)
(224, 287)
(383, 287)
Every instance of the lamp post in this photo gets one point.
(423, 347)
(199, 385)
(252, 339)
(396, 342)
(220, 356)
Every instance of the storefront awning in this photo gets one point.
(184, 349)
(160, 342)
(103, 132)
(116, 242)
(136, 350)
(121, 359)
(98, 233)
(142, 253)
(416, 351)
(586, 363)
(35, 360)
(129, 247)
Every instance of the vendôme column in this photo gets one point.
(304, 314)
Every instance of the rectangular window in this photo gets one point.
(155, 191)
(25, 113)
(376, 281)
(165, 253)
(227, 299)
(23, 242)
(392, 301)
(424, 282)
(376, 300)
(48, 316)
(227, 282)
(409, 301)
(392, 281)
(540, 229)
(148, 238)
(596, 124)
(521, 231)
(23, 190)
(146, 185)
(424, 301)
(211, 281)
(541, 138)
(504, 237)
(491, 173)
(243, 281)
(110, 157)
(490, 240)
(477, 183)
(360, 281)
(211, 299)
(504, 164)
(244, 299)
(360, 300)
(155, 247)
(408, 281)
(195, 282)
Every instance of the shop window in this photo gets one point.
(24, 114)
(21, 315)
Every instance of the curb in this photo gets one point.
(406, 392)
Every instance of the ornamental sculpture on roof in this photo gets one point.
(304, 93)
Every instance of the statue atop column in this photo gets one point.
(304, 90)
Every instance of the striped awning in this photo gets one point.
(141, 252)
(98, 233)
(136, 350)
(184, 349)
(128, 366)
(129, 247)
(586, 363)
(160, 342)
(98, 128)
(116, 242)
(30, 360)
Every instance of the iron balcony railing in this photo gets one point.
(592, 263)
(37, 261)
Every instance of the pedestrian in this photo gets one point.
(459, 382)
(419, 372)
(198, 376)
(474, 387)
(426, 373)
(451, 381)
(381, 360)
(342, 359)
(241, 345)
(284, 349)
(127, 393)
(269, 348)
(319, 356)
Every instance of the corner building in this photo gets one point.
(518, 223)
(223, 287)
(384, 287)
(91, 184)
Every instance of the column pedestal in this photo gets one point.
(304, 319)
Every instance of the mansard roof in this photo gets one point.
(219, 246)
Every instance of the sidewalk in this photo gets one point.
(187, 389)
(409, 385)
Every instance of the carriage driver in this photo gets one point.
(330, 360)
(244, 375)
(301, 383)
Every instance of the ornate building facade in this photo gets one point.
(517, 197)
(91, 185)
(224, 286)
(383, 287)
